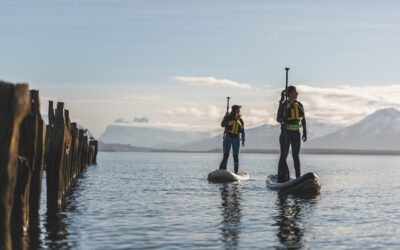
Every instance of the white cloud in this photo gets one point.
(260, 112)
(341, 105)
(211, 81)
(178, 126)
(210, 111)
(347, 104)
(142, 98)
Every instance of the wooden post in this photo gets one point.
(74, 150)
(31, 147)
(95, 146)
(14, 105)
(54, 159)
(58, 161)
(20, 210)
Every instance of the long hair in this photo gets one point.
(232, 115)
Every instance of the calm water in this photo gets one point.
(149, 200)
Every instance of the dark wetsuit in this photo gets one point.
(290, 119)
(233, 127)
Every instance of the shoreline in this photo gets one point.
(259, 151)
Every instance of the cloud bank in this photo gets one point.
(347, 104)
(210, 81)
(203, 109)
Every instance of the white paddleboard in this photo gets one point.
(221, 175)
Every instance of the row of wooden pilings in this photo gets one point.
(29, 147)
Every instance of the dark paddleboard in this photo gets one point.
(305, 184)
(221, 175)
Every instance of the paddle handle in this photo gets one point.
(286, 85)
(227, 104)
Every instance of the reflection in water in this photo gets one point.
(56, 219)
(56, 237)
(231, 213)
(20, 239)
(291, 212)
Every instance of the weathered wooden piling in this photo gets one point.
(67, 155)
(55, 160)
(26, 145)
(20, 212)
(95, 148)
(14, 104)
(31, 146)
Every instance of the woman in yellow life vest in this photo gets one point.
(290, 115)
(234, 126)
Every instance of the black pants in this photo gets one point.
(292, 138)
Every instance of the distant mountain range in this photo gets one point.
(261, 137)
(149, 137)
(378, 131)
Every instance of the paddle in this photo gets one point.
(286, 86)
(284, 111)
(227, 104)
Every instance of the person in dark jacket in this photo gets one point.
(290, 115)
(234, 126)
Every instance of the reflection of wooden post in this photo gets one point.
(14, 104)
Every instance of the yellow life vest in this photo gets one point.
(294, 112)
(234, 126)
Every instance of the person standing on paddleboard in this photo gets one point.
(290, 114)
(234, 126)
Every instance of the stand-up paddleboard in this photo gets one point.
(221, 175)
(305, 184)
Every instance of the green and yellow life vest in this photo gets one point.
(234, 127)
(294, 113)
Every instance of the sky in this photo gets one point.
(175, 62)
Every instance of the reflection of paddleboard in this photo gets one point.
(221, 175)
(305, 184)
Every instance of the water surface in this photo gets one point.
(163, 200)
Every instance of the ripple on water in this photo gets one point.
(163, 200)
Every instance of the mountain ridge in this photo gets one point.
(378, 131)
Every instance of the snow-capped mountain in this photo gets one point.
(261, 137)
(149, 137)
(379, 131)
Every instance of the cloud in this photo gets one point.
(211, 81)
(210, 111)
(339, 105)
(347, 104)
(178, 126)
(141, 119)
(259, 112)
(142, 98)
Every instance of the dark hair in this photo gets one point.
(291, 88)
(232, 114)
(282, 96)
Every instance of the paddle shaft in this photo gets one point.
(284, 112)
(286, 86)
(227, 104)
